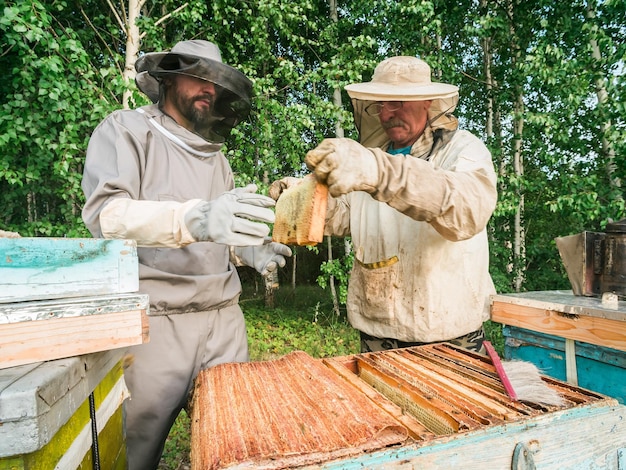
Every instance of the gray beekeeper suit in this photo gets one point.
(417, 221)
(149, 179)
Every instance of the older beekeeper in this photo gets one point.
(415, 195)
(158, 175)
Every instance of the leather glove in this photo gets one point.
(234, 218)
(344, 165)
(264, 258)
(278, 186)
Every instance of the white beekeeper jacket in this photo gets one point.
(421, 270)
(145, 156)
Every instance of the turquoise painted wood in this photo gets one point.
(602, 370)
(585, 437)
(53, 268)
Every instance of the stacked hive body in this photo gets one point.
(428, 407)
(578, 339)
(68, 309)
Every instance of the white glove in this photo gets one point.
(264, 258)
(278, 186)
(231, 218)
(344, 165)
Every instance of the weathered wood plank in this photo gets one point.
(582, 437)
(72, 307)
(605, 332)
(41, 331)
(566, 302)
(51, 268)
(36, 401)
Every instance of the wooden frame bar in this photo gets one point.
(46, 330)
(564, 315)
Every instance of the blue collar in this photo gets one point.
(401, 151)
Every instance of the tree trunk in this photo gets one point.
(338, 133)
(271, 285)
(127, 21)
(487, 56)
(519, 245)
(519, 249)
(294, 258)
(493, 133)
(270, 280)
(133, 43)
(608, 152)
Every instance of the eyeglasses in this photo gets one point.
(376, 108)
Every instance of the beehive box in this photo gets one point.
(62, 297)
(68, 310)
(578, 339)
(45, 415)
(45, 330)
(433, 406)
(600, 369)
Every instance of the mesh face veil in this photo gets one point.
(200, 59)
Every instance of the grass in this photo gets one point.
(301, 320)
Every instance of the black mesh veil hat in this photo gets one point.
(200, 59)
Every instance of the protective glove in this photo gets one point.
(265, 258)
(344, 165)
(233, 218)
(278, 186)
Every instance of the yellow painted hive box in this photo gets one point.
(45, 415)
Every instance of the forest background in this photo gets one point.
(541, 82)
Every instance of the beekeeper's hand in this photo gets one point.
(344, 165)
(265, 258)
(238, 217)
(278, 186)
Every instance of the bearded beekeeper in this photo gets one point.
(157, 175)
(415, 195)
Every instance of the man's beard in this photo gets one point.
(201, 118)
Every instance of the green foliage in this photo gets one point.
(557, 66)
(338, 269)
(50, 104)
(493, 332)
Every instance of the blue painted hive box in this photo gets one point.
(68, 310)
(41, 268)
(600, 369)
(64, 297)
(581, 340)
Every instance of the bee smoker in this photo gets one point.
(596, 261)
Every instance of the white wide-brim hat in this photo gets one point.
(401, 78)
